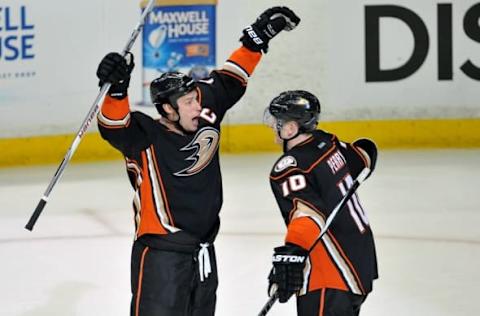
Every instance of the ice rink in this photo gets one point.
(424, 208)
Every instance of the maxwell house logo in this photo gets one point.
(182, 23)
(16, 34)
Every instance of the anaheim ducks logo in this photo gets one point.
(204, 144)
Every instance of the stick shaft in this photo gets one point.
(138, 28)
(92, 113)
(361, 177)
(268, 305)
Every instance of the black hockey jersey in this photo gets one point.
(308, 181)
(176, 178)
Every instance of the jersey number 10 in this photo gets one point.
(293, 183)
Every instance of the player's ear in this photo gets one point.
(171, 113)
(168, 108)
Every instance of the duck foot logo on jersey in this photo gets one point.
(205, 145)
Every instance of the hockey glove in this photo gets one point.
(369, 150)
(287, 272)
(116, 69)
(267, 26)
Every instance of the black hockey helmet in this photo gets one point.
(168, 88)
(297, 105)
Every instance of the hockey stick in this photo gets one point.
(361, 177)
(86, 122)
(268, 305)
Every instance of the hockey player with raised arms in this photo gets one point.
(331, 276)
(173, 167)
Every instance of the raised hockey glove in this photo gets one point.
(116, 69)
(369, 150)
(287, 272)
(267, 26)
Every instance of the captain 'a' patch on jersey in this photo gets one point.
(204, 146)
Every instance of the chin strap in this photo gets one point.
(177, 122)
(286, 140)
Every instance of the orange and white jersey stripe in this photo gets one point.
(114, 113)
(328, 266)
(242, 63)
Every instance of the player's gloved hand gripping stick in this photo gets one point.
(87, 121)
(370, 148)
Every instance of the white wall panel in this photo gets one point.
(325, 55)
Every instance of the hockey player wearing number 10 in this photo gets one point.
(173, 166)
(334, 275)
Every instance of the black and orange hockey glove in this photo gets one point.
(116, 69)
(267, 26)
(287, 272)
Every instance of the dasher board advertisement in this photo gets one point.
(178, 38)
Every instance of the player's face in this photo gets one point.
(286, 130)
(189, 110)
(282, 130)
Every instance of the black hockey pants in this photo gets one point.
(329, 302)
(167, 283)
